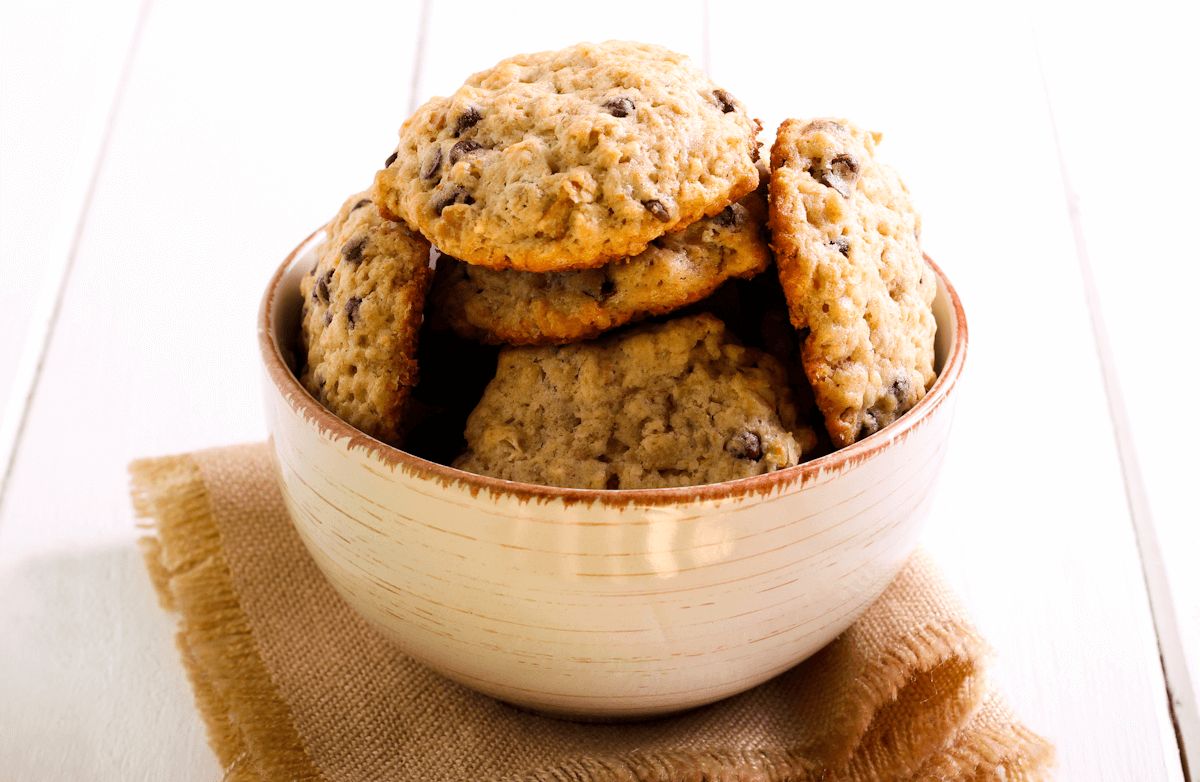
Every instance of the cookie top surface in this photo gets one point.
(845, 236)
(539, 308)
(569, 159)
(670, 404)
(361, 315)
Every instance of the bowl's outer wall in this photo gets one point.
(600, 608)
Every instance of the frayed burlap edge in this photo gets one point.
(914, 701)
(249, 726)
(994, 746)
(716, 766)
(949, 653)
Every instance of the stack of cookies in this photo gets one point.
(558, 199)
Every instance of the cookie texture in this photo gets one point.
(363, 303)
(539, 308)
(845, 236)
(570, 159)
(671, 404)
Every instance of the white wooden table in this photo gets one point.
(159, 157)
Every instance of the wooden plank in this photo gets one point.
(1119, 111)
(60, 68)
(1031, 522)
(242, 129)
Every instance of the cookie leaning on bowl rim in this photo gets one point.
(846, 241)
(542, 308)
(570, 159)
(362, 311)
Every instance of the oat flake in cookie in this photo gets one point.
(362, 311)
(846, 242)
(671, 404)
(570, 159)
(541, 308)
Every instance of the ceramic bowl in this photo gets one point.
(602, 604)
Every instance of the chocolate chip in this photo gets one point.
(352, 305)
(352, 250)
(745, 445)
(433, 164)
(391, 158)
(602, 292)
(620, 107)
(656, 208)
(870, 424)
(322, 289)
(360, 204)
(844, 166)
(842, 244)
(463, 148)
(900, 388)
(613, 482)
(456, 195)
(724, 101)
(468, 119)
(841, 174)
(328, 317)
(728, 217)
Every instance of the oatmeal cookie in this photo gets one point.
(670, 404)
(540, 308)
(845, 237)
(362, 310)
(570, 159)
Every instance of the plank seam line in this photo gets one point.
(1162, 609)
(12, 428)
(419, 56)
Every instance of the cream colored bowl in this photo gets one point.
(604, 604)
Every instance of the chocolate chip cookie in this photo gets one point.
(670, 404)
(362, 310)
(539, 308)
(570, 159)
(845, 237)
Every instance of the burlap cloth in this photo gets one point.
(294, 686)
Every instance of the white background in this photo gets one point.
(159, 158)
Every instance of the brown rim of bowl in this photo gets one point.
(314, 412)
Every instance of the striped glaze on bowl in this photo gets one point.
(602, 604)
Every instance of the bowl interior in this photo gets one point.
(948, 321)
(286, 307)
